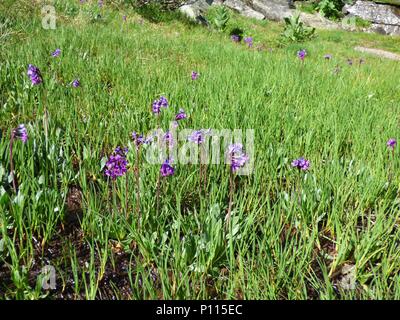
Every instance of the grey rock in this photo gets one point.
(318, 21)
(385, 19)
(273, 9)
(195, 8)
(379, 53)
(243, 9)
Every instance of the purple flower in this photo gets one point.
(76, 83)
(199, 136)
(302, 54)
(124, 18)
(138, 139)
(237, 157)
(349, 62)
(20, 133)
(195, 75)
(249, 41)
(301, 164)
(121, 151)
(391, 143)
(56, 53)
(181, 115)
(235, 38)
(116, 165)
(160, 103)
(100, 3)
(328, 57)
(166, 169)
(168, 138)
(34, 74)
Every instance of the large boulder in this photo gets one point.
(384, 18)
(392, 2)
(240, 7)
(195, 9)
(273, 9)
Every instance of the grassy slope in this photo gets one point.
(283, 249)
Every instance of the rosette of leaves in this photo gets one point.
(295, 31)
(221, 18)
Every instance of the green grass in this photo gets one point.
(282, 248)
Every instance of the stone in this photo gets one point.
(318, 21)
(392, 2)
(243, 9)
(275, 10)
(379, 52)
(384, 18)
(195, 9)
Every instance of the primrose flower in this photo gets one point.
(237, 157)
(116, 165)
(56, 53)
(301, 164)
(302, 54)
(34, 74)
(166, 169)
(20, 133)
(181, 115)
(391, 143)
(249, 41)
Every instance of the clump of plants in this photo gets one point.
(330, 9)
(221, 18)
(295, 31)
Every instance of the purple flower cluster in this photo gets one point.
(235, 38)
(160, 103)
(199, 136)
(166, 168)
(302, 54)
(301, 164)
(138, 139)
(195, 75)
(76, 83)
(56, 53)
(237, 157)
(249, 41)
(117, 163)
(391, 143)
(20, 133)
(168, 138)
(181, 115)
(34, 74)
